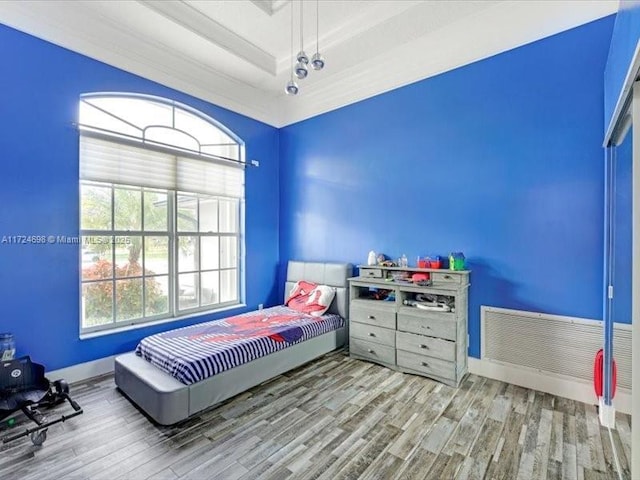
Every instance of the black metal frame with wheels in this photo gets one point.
(23, 387)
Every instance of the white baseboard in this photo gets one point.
(562, 386)
(567, 387)
(83, 371)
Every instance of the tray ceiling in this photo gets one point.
(236, 53)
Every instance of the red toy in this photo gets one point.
(598, 371)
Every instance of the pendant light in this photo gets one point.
(292, 86)
(317, 61)
(301, 70)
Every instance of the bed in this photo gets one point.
(155, 388)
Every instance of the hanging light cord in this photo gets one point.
(317, 26)
(301, 35)
(292, 57)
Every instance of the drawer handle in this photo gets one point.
(448, 277)
(425, 364)
(371, 334)
(426, 326)
(424, 346)
(371, 317)
(370, 351)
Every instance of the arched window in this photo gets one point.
(162, 190)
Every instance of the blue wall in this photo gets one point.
(624, 39)
(500, 159)
(40, 86)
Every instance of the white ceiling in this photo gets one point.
(237, 53)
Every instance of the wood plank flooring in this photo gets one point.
(334, 418)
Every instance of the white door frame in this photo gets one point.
(635, 286)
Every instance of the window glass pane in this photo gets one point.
(226, 151)
(128, 255)
(141, 112)
(95, 257)
(229, 216)
(204, 131)
(90, 115)
(208, 214)
(127, 209)
(228, 285)
(156, 295)
(97, 303)
(128, 299)
(228, 252)
(187, 213)
(187, 254)
(95, 207)
(209, 287)
(169, 136)
(155, 211)
(208, 253)
(156, 255)
(187, 291)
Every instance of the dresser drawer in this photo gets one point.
(371, 272)
(383, 336)
(379, 317)
(372, 351)
(432, 325)
(422, 345)
(441, 277)
(427, 365)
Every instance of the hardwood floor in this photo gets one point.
(335, 418)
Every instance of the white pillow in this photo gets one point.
(322, 296)
(307, 297)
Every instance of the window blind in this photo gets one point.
(105, 161)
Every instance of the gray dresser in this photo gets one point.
(400, 335)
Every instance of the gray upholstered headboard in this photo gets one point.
(332, 274)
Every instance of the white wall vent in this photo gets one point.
(551, 343)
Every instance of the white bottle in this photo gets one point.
(372, 259)
(404, 263)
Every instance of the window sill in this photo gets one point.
(137, 326)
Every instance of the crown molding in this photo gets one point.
(519, 23)
(348, 77)
(85, 34)
(196, 22)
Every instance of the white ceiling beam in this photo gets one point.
(209, 29)
(278, 5)
(264, 5)
(270, 6)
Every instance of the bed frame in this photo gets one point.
(168, 401)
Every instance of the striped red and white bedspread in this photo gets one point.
(200, 351)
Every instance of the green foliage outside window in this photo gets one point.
(128, 293)
(126, 216)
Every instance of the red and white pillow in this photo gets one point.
(310, 298)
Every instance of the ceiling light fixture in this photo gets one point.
(317, 61)
(299, 63)
(291, 87)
